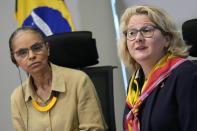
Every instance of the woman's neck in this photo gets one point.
(147, 69)
(148, 65)
(42, 84)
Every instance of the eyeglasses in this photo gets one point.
(146, 32)
(24, 52)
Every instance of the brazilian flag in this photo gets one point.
(50, 16)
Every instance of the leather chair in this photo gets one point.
(78, 50)
(73, 49)
(189, 30)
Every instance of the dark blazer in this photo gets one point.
(172, 106)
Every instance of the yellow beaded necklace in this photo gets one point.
(47, 107)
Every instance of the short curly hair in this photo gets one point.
(159, 17)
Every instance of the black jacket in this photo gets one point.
(172, 107)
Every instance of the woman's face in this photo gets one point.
(30, 52)
(146, 50)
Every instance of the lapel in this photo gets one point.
(148, 109)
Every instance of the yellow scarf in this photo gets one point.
(134, 99)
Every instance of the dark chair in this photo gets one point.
(102, 78)
(189, 30)
(78, 50)
(73, 49)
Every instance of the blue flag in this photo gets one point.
(50, 16)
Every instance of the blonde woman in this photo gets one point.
(161, 93)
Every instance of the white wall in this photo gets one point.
(179, 10)
(92, 15)
(8, 73)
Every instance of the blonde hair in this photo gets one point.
(159, 17)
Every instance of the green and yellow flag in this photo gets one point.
(50, 16)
